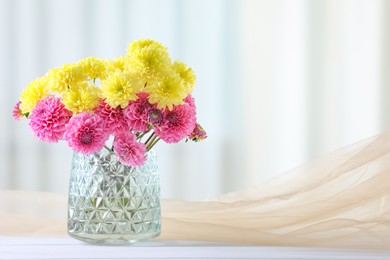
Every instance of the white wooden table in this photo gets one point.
(13, 247)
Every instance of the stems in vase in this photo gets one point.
(150, 138)
(153, 143)
(108, 149)
(139, 137)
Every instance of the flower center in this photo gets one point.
(86, 137)
(129, 151)
(173, 119)
(155, 116)
(42, 112)
(119, 88)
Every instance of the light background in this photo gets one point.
(279, 82)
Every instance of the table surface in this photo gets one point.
(17, 247)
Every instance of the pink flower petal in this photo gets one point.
(85, 133)
(128, 150)
(48, 119)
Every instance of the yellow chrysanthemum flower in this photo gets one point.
(32, 94)
(140, 44)
(119, 88)
(92, 67)
(147, 58)
(114, 65)
(62, 78)
(186, 74)
(167, 91)
(81, 98)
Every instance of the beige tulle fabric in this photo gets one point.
(339, 200)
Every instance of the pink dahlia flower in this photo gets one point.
(85, 133)
(128, 150)
(16, 112)
(137, 113)
(198, 134)
(177, 124)
(48, 119)
(190, 100)
(114, 119)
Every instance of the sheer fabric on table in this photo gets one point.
(339, 200)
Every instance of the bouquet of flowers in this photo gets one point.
(138, 99)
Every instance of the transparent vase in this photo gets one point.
(111, 203)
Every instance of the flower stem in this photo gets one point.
(139, 137)
(150, 138)
(108, 149)
(152, 144)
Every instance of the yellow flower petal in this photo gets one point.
(186, 74)
(119, 88)
(148, 59)
(92, 67)
(167, 91)
(32, 94)
(81, 98)
(62, 78)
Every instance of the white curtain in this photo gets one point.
(279, 82)
(316, 78)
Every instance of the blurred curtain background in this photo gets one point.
(279, 82)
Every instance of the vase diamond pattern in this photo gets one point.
(113, 203)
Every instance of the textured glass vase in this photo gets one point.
(112, 203)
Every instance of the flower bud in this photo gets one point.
(198, 134)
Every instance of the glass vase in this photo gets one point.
(111, 203)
